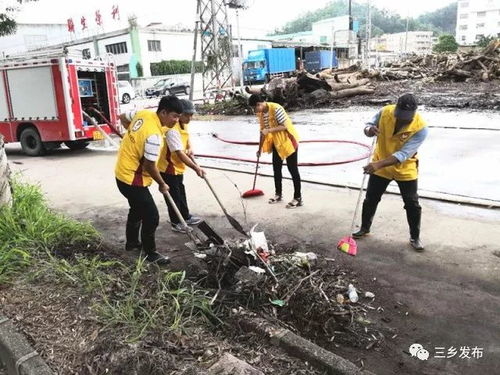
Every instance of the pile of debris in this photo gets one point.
(306, 90)
(299, 290)
(458, 67)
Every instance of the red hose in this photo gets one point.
(362, 157)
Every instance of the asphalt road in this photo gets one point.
(450, 292)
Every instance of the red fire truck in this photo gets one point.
(53, 98)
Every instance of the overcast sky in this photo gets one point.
(262, 16)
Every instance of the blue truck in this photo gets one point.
(262, 64)
(319, 60)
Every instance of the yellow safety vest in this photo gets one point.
(388, 143)
(169, 162)
(286, 142)
(129, 168)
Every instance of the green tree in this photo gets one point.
(446, 43)
(444, 19)
(7, 16)
(140, 70)
(383, 20)
(485, 40)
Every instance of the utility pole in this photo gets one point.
(350, 15)
(216, 45)
(237, 5)
(368, 33)
(406, 36)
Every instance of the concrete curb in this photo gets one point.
(299, 347)
(17, 354)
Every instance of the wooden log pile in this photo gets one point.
(321, 88)
(306, 89)
(457, 67)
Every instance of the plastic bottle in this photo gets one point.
(353, 295)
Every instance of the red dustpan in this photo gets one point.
(254, 192)
(348, 244)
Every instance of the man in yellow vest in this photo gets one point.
(136, 169)
(278, 135)
(400, 131)
(176, 154)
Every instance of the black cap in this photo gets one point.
(188, 107)
(406, 107)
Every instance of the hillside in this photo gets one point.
(384, 21)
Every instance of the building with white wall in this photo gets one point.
(476, 18)
(32, 36)
(413, 42)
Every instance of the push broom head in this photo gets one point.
(348, 245)
(252, 193)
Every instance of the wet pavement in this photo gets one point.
(460, 156)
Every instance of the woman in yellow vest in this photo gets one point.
(278, 135)
(174, 157)
(400, 131)
(136, 169)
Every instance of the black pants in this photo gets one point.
(142, 217)
(377, 186)
(178, 193)
(291, 163)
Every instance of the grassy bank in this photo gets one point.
(43, 247)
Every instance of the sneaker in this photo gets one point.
(360, 233)
(193, 220)
(417, 244)
(178, 228)
(133, 246)
(155, 257)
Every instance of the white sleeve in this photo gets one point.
(280, 116)
(174, 141)
(152, 147)
(129, 115)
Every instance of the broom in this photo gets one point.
(348, 244)
(254, 192)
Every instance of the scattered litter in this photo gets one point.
(353, 295)
(363, 321)
(305, 259)
(340, 299)
(257, 269)
(278, 302)
(369, 295)
(200, 256)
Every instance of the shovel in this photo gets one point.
(181, 219)
(234, 223)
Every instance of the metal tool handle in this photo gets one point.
(257, 166)
(361, 188)
(215, 194)
(181, 219)
(255, 175)
(176, 209)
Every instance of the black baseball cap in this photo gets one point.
(406, 107)
(187, 107)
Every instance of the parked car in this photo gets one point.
(125, 91)
(168, 86)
